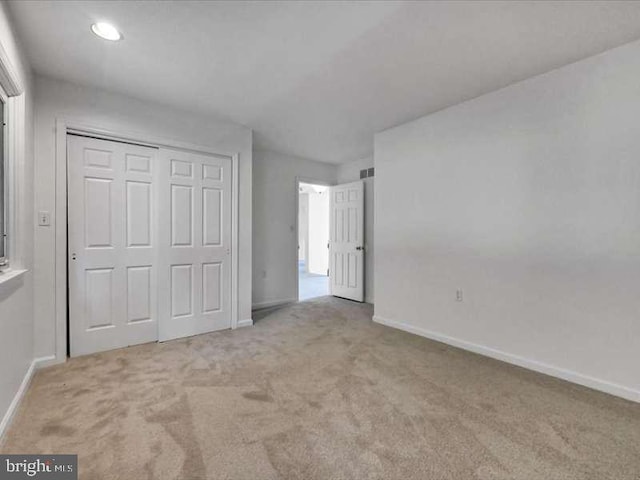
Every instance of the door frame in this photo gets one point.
(299, 180)
(65, 126)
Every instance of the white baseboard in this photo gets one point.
(36, 363)
(272, 303)
(245, 323)
(47, 361)
(568, 375)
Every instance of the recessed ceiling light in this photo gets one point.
(106, 31)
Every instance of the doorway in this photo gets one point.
(313, 240)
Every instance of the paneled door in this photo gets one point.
(195, 244)
(112, 244)
(346, 244)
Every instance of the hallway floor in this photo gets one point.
(311, 285)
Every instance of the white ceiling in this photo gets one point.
(316, 79)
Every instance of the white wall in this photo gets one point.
(119, 113)
(275, 269)
(303, 226)
(318, 253)
(350, 172)
(528, 199)
(16, 298)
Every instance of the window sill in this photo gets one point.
(10, 276)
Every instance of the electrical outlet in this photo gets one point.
(459, 295)
(44, 219)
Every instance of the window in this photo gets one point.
(12, 115)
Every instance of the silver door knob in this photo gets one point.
(359, 248)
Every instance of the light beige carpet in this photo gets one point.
(318, 391)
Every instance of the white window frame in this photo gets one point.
(12, 94)
(4, 255)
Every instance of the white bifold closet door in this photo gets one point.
(112, 244)
(149, 238)
(195, 244)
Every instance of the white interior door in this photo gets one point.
(346, 246)
(195, 244)
(112, 244)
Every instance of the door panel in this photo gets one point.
(98, 218)
(212, 283)
(346, 247)
(195, 245)
(181, 215)
(212, 216)
(139, 293)
(99, 292)
(112, 245)
(181, 290)
(139, 222)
